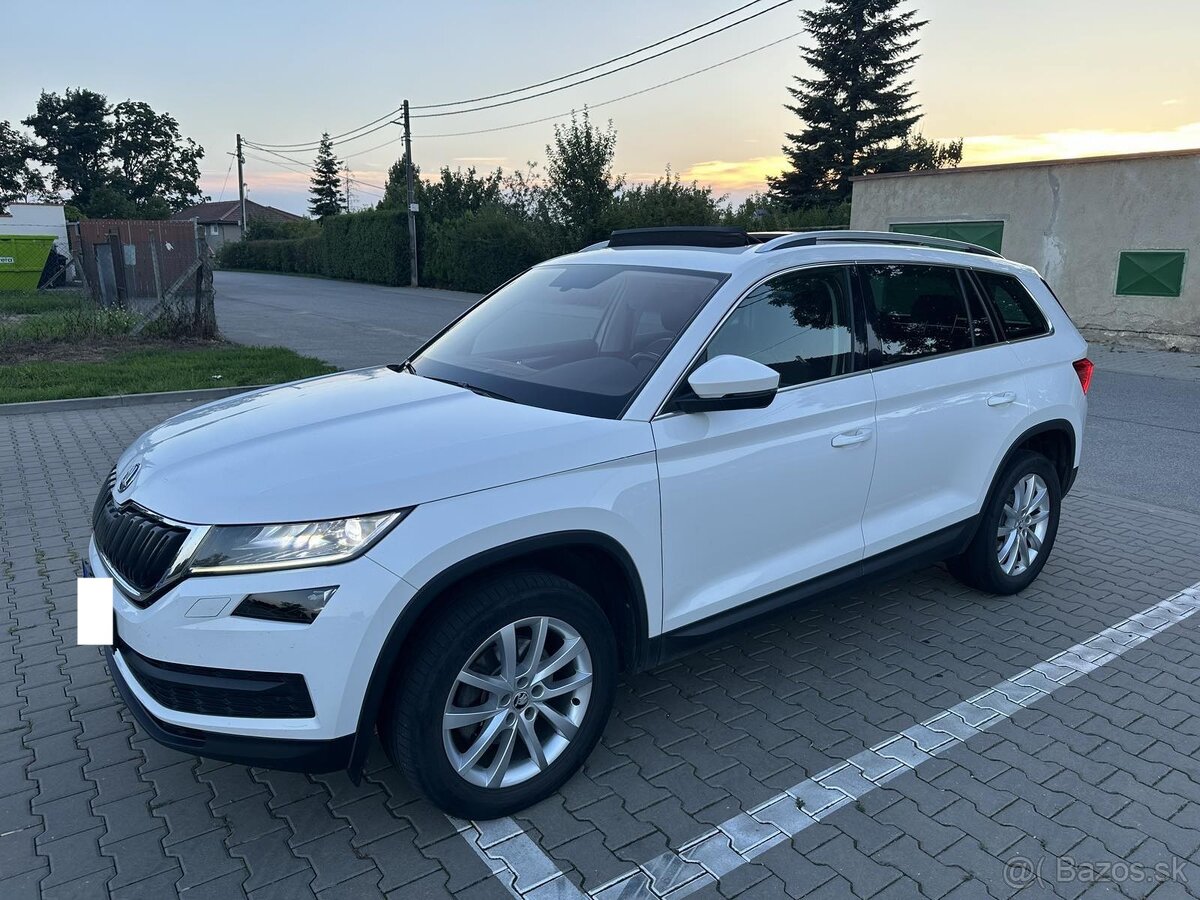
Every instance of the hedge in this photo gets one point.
(368, 246)
(481, 250)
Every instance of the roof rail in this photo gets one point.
(681, 236)
(812, 238)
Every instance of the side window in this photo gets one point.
(919, 310)
(1018, 312)
(983, 332)
(798, 324)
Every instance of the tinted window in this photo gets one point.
(1018, 312)
(983, 332)
(919, 310)
(798, 324)
(576, 338)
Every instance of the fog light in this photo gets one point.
(286, 606)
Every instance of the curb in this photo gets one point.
(202, 395)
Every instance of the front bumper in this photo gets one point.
(191, 626)
(294, 755)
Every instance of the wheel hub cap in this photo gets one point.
(1024, 522)
(518, 703)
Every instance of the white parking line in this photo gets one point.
(738, 840)
(529, 873)
(515, 859)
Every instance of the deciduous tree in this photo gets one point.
(580, 185)
(124, 160)
(19, 177)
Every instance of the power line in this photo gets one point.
(459, 112)
(530, 87)
(563, 115)
(225, 183)
(383, 121)
(645, 90)
(302, 168)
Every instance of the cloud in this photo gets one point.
(1173, 101)
(735, 175)
(1075, 143)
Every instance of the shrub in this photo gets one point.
(366, 246)
(481, 250)
(665, 201)
(761, 212)
(272, 230)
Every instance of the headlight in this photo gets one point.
(256, 548)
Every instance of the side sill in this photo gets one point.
(931, 548)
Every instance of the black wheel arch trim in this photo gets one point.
(1066, 476)
(389, 654)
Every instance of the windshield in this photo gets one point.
(575, 338)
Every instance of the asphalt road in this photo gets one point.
(347, 324)
(1143, 439)
(1143, 433)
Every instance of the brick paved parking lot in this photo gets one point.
(1074, 778)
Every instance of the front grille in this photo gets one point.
(220, 692)
(138, 547)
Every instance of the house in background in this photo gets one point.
(221, 220)
(1116, 236)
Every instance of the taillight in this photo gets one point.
(1084, 369)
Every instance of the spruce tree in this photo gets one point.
(325, 194)
(858, 110)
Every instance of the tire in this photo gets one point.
(467, 642)
(984, 564)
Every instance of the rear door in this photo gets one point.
(757, 500)
(949, 395)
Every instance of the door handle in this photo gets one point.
(849, 438)
(1002, 399)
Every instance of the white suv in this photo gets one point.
(610, 459)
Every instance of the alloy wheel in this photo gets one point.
(518, 702)
(1023, 525)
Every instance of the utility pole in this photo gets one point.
(241, 159)
(412, 201)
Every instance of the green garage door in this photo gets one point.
(985, 234)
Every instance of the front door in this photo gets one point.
(754, 501)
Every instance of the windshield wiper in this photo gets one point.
(482, 392)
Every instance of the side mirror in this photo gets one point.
(730, 382)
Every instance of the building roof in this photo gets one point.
(1034, 163)
(226, 212)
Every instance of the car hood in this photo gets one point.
(352, 443)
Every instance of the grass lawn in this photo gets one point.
(56, 345)
(161, 369)
(15, 303)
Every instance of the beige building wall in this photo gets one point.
(1070, 220)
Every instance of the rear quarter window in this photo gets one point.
(1019, 313)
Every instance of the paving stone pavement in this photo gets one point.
(1092, 787)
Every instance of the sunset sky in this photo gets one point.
(1019, 79)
